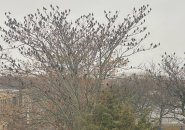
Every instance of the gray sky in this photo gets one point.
(166, 22)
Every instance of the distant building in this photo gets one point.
(8, 98)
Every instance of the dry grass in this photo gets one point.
(172, 127)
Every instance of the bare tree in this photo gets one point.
(70, 60)
(160, 96)
(173, 68)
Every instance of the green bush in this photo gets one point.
(110, 114)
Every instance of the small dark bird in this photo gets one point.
(154, 46)
(44, 8)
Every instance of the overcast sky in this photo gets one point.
(166, 22)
